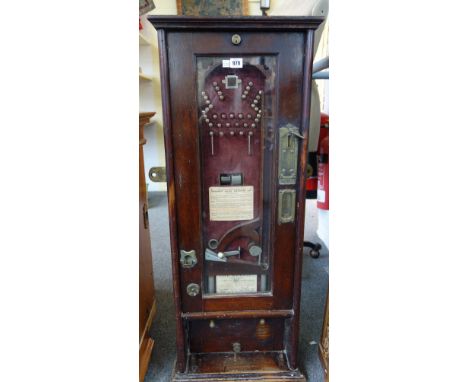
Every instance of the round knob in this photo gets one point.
(193, 289)
(254, 250)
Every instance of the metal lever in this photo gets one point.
(249, 136)
(294, 131)
(220, 256)
(212, 143)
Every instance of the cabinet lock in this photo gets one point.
(188, 259)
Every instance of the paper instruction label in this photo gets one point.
(231, 203)
(236, 284)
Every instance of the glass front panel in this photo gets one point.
(236, 98)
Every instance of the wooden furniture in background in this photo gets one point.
(236, 95)
(147, 298)
(323, 345)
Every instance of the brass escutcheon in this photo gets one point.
(236, 39)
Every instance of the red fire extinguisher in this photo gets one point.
(323, 169)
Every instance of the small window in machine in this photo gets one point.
(232, 82)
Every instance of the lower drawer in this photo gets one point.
(251, 334)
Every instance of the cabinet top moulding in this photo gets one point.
(236, 22)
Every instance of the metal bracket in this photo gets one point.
(157, 174)
(188, 259)
(220, 256)
(286, 206)
(288, 153)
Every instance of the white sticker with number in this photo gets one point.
(236, 63)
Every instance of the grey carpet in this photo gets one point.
(314, 288)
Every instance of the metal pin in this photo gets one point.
(221, 97)
(215, 84)
(253, 105)
(255, 101)
(250, 83)
(212, 143)
(256, 109)
(220, 93)
(221, 133)
(217, 88)
(247, 88)
(243, 96)
(260, 92)
(215, 116)
(250, 134)
(241, 133)
(231, 132)
(211, 106)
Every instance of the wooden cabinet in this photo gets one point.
(236, 103)
(147, 298)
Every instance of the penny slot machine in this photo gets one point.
(236, 103)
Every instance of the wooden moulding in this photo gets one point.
(238, 314)
(237, 22)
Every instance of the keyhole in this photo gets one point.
(236, 39)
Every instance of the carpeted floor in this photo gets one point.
(314, 288)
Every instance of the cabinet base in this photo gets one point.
(226, 367)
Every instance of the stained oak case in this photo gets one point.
(236, 103)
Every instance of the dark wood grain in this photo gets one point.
(238, 314)
(301, 194)
(266, 322)
(167, 122)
